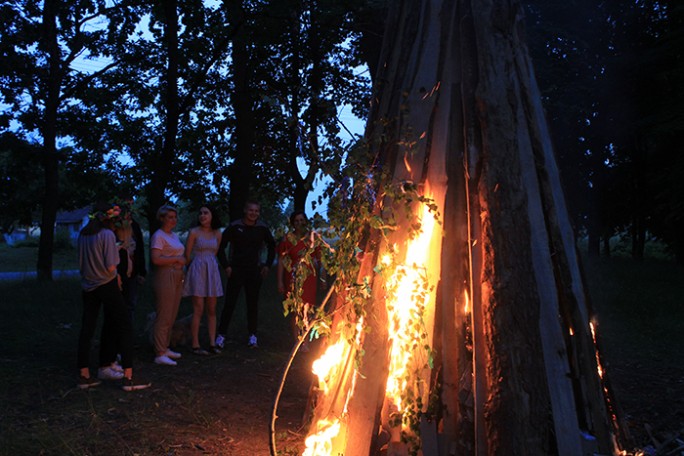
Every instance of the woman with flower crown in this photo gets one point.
(127, 246)
(98, 259)
(132, 268)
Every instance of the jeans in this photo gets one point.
(117, 330)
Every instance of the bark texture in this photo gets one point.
(53, 83)
(241, 171)
(458, 112)
(162, 175)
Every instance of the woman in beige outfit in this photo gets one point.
(167, 255)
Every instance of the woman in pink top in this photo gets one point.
(167, 255)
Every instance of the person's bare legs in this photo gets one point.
(211, 319)
(197, 311)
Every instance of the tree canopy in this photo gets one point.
(223, 101)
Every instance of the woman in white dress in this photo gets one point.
(203, 279)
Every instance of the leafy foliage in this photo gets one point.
(607, 72)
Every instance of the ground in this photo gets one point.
(221, 405)
(215, 405)
(649, 389)
(218, 405)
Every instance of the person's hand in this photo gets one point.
(119, 282)
(229, 271)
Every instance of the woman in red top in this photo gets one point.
(298, 254)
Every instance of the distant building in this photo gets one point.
(17, 235)
(72, 222)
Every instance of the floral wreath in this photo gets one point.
(119, 213)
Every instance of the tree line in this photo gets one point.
(192, 100)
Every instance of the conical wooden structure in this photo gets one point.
(458, 114)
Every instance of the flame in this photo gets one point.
(599, 366)
(466, 300)
(407, 163)
(320, 443)
(408, 296)
(410, 290)
(328, 363)
(329, 370)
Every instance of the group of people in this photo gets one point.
(111, 267)
(193, 270)
(102, 284)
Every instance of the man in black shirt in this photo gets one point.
(244, 267)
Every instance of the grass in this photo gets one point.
(639, 304)
(42, 413)
(23, 258)
(640, 312)
(639, 308)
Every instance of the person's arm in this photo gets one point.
(218, 236)
(122, 267)
(139, 254)
(280, 270)
(221, 254)
(160, 260)
(270, 246)
(111, 255)
(189, 245)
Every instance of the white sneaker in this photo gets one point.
(164, 360)
(109, 373)
(220, 340)
(252, 342)
(172, 354)
(116, 367)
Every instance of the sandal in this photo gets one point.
(214, 350)
(200, 351)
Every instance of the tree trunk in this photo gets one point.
(606, 244)
(296, 137)
(594, 224)
(639, 210)
(370, 21)
(241, 171)
(459, 114)
(49, 132)
(163, 162)
(304, 144)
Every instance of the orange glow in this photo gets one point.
(466, 300)
(609, 403)
(329, 370)
(592, 325)
(320, 443)
(407, 163)
(328, 364)
(410, 290)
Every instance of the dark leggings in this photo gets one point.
(250, 280)
(117, 330)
